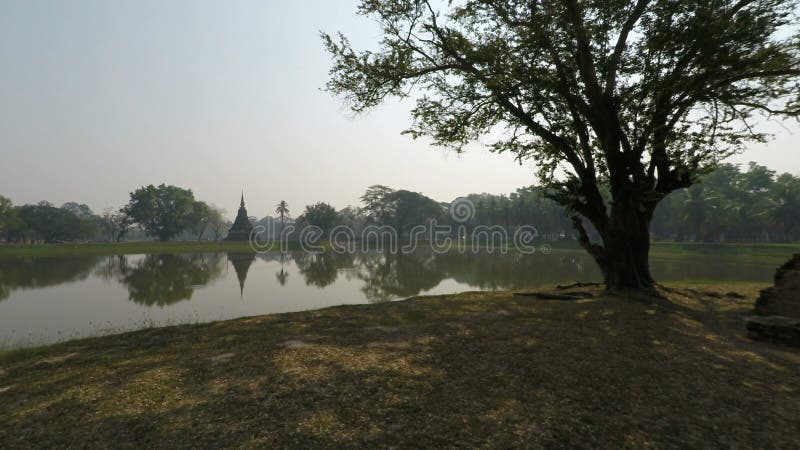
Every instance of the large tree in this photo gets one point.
(116, 223)
(400, 209)
(633, 98)
(46, 222)
(163, 211)
(321, 215)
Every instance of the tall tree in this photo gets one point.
(79, 209)
(638, 97)
(409, 209)
(321, 215)
(282, 210)
(163, 211)
(8, 218)
(116, 223)
(376, 207)
(785, 210)
(201, 218)
(217, 223)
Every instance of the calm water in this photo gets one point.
(50, 299)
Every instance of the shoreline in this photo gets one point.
(477, 368)
(146, 247)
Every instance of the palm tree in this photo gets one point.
(283, 211)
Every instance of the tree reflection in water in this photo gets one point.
(321, 269)
(388, 276)
(35, 272)
(166, 279)
(283, 275)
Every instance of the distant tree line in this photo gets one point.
(162, 212)
(732, 205)
(403, 210)
(729, 205)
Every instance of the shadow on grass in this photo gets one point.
(475, 369)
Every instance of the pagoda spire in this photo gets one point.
(241, 228)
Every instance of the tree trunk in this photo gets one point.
(626, 264)
(623, 257)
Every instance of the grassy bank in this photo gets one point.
(125, 248)
(473, 369)
(750, 252)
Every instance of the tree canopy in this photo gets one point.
(321, 215)
(636, 98)
(163, 211)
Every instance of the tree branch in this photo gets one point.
(619, 48)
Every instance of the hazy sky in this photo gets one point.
(98, 97)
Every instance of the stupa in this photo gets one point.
(241, 228)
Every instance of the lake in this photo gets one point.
(44, 300)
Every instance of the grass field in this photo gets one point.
(468, 370)
(125, 248)
(750, 252)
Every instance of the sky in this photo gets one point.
(100, 97)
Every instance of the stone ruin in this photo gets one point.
(778, 307)
(783, 299)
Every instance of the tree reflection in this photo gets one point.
(283, 275)
(166, 279)
(33, 273)
(388, 276)
(321, 269)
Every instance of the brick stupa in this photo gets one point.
(241, 228)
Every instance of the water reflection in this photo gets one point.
(35, 273)
(49, 298)
(283, 275)
(321, 269)
(166, 279)
(241, 264)
(399, 275)
(391, 276)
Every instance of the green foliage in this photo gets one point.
(526, 206)
(8, 217)
(50, 224)
(376, 208)
(79, 209)
(619, 102)
(734, 206)
(125, 248)
(282, 209)
(578, 84)
(400, 209)
(321, 215)
(163, 211)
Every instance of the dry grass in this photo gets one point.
(475, 369)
